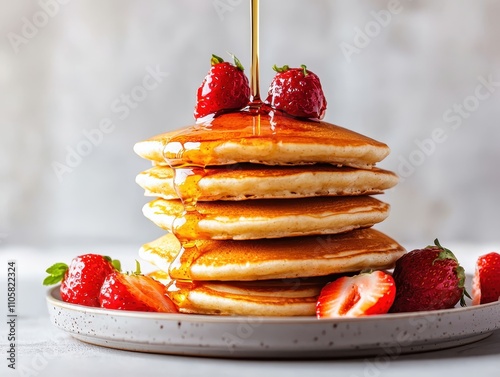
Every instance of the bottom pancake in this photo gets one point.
(280, 258)
(286, 297)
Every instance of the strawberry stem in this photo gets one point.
(237, 62)
(114, 262)
(305, 69)
(281, 69)
(137, 268)
(444, 253)
(216, 60)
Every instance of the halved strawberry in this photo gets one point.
(354, 296)
(81, 281)
(135, 292)
(486, 281)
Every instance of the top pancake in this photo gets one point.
(267, 139)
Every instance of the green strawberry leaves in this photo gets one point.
(281, 69)
(237, 63)
(58, 270)
(459, 270)
(137, 268)
(285, 68)
(214, 60)
(56, 273)
(114, 262)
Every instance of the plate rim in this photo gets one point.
(264, 337)
(53, 297)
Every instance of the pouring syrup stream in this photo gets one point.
(254, 78)
(187, 177)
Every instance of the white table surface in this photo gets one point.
(44, 350)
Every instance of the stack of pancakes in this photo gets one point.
(262, 210)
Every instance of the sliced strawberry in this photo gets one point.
(81, 281)
(135, 292)
(355, 296)
(486, 281)
(224, 88)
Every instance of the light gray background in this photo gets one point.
(65, 79)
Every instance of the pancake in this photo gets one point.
(266, 218)
(285, 297)
(252, 181)
(267, 139)
(280, 258)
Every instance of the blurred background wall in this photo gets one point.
(82, 81)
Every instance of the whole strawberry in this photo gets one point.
(486, 281)
(135, 291)
(297, 92)
(224, 88)
(428, 279)
(81, 281)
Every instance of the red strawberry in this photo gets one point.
(224, 88)
(428, 279)
(82, 280)
(297, 92)
(355, 296)
(486, 281)
(135, 292)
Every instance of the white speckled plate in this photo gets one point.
(278, 337)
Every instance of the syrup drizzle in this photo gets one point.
(186, 180)
(181, 266)
(254, 78)
(187, 177)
